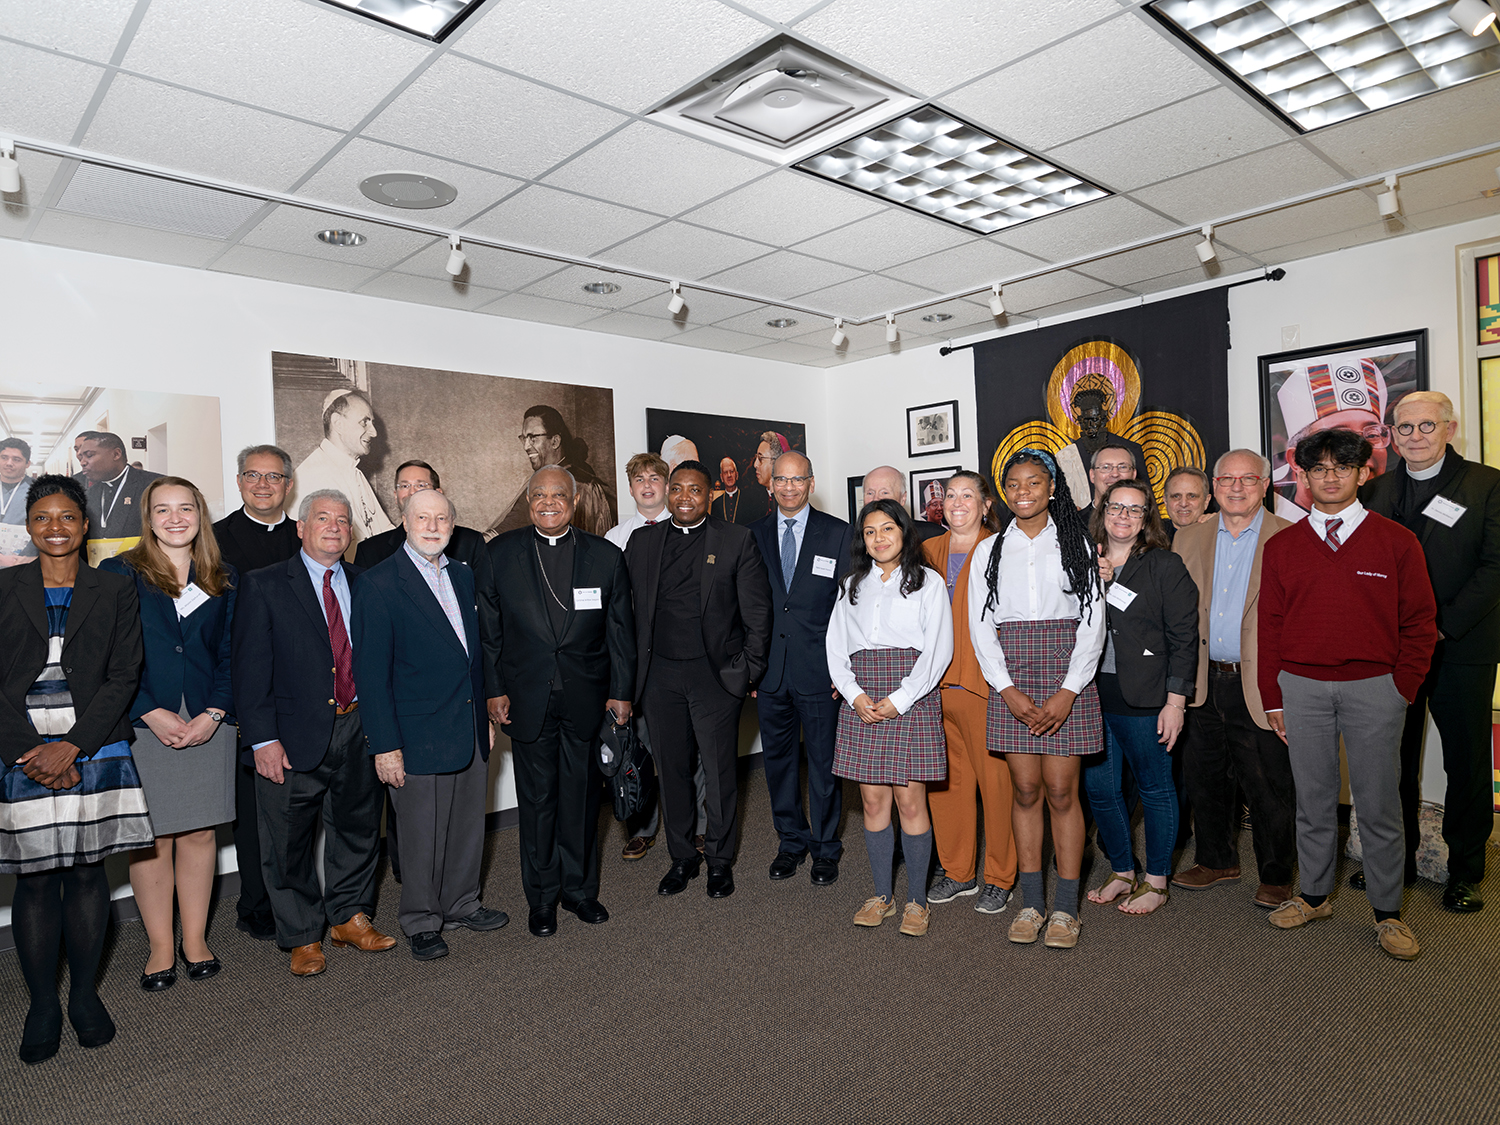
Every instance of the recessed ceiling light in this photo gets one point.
(341, 237)
(409, 190)
(1317, 62)
(431, 19)
(781, 322)
(937, 318)
(601, 287)
(934, 163)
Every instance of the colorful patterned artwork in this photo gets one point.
(1487, 292)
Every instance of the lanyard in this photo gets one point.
(5, 507)
(119, 488)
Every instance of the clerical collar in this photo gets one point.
(1428, 473)
(119, 478)
(268, 526)
(552, 540)
(694, 527)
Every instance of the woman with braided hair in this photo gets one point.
(1036, 619)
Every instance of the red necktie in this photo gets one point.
(650, 523)
(1333, 533)
(338, 637)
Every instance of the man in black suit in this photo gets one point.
(567, 654)
(887, 483)
(114, 488)
(806, 553)
(1453, 507)
(297, 702)
(417, 648)
(256, 535)
(703, 623)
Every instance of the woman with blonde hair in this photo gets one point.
(184, 747)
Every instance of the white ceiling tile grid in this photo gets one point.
(540, 216)
(784, 275)
(274, 265)
(679, 252)
(337, 181)
(1283, 172)
(980, 262)
(45, 94)
(1450, 121)
(294, 230)
(883, 240)
(871, 295)
(90, 28)
(484, 266)
(425, 291)
(784, 208)
(1305, 222)
(1101, 225)
(82, 232)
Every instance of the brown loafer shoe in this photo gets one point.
(307, 960)
(1027, 926)
(1200, 878)
(915, 920)
(875, 911)
(1396, 938)
(637, 846)
(1062, 931)
(357, 933)
(1298, 912)
(1272, 895)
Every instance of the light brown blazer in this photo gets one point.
(1195, 544)
(964, 669)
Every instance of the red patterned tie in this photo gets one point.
(338, 637)
(1333, 533)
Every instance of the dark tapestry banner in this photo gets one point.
(1156, 375)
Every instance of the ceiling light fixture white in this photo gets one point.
(1473, 16)
(781, 322)
(840, 338)
(937, 318)
(997, 304)
(601, 288)
(456, 257)
(431, 19)
(891, 334)
(676, 304)
(1206, 251)
(1389, 201)
(10, 170)
(1490, 193)
(341, 237)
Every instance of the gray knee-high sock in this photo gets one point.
(1033, 890)
(881, 847)
(1066, 896)
(918, 851)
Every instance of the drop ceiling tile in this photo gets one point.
(965, 316)
(521, 128)
(38, 170)
(862, 338)
(98, 236)
(931, 48)
(1049, 289)
(702, 308)
(1355, 236)
(485, 266)
(297, 58)
(784, 208)
(1092, 301)
(1282, 172)
(718, 339)
(782, 11)
(783, 275)
(1303, 223)
(1231, 268)
(1449, 184)
(294, 269)
(871, 295)
(559, 220)
(208, 136)
(1153, 261)
(1447, 121)
(293, 230)
(607, 56)
(524, 306)
(1095, 226)
(1115, 71)
(45, 94)
(567, 285)
(788, 351)
(885, 239)
(338, 181)
(630, 324)
(980, 262)
(680, 252)
(656, 169)
(14, 219)
(1203, 130)
(756, 323)
(90, 28)
(1477, 208)
(425, 291)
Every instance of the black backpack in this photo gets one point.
(625, 761)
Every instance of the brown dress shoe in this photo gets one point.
(1272, 895)
(1200, 878)
(307, 960)
(635, 847)
(357, 933)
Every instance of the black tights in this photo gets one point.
(66, 905)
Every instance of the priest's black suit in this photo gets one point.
(566, 644)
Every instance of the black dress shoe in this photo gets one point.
(1462, 898)
(261, 929)
(428, 946)
(720, 880)
(785, 865)
(590, 910)
(825, 872)
(675, 881)
(200, 970)
(481, 920)
(159, 982)
(542, 921)
(1357, 880)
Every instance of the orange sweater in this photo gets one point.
(964, 670)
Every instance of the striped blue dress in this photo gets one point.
(42, 829)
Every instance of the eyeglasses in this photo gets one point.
(532, 439)
(1377, 435)
(250, 476)
(1405, 428)
(1134, 511)
(1318, 472)
(789, 480)
(1249, 480)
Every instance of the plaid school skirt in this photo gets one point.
(1036, 656)
(909, 747)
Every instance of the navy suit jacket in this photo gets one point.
(798, 660)
(186, 658)
(418, 691)
(283, 662)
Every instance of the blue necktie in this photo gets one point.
(788, 555)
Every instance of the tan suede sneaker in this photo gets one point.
(875, 911)
(1296, 912)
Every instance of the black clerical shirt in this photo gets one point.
(679, 619)
(556, 557)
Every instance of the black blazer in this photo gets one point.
(248, 545)
(282, 662)
(185, 658)
(797, 660)
(1463, 561)
(595, 657)
(418, 691)
(736, 602)
(1156, 638)
(125, 518)
(101, 656)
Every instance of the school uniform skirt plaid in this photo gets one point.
(910, 747)
(1036, 656)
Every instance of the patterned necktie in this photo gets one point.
(650, 523)
(788, 555)
(338, 637)
(1333, 533)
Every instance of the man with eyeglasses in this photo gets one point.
(16, 546)
(1229, 742)
(547, 440)
(1453, 507)
(1345, 391)
(1347, 628)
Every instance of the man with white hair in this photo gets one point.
(348, 430)
(1453, 507)
(1345, 390)
(885, 482)
(677, 449)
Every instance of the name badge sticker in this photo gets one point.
(1445, 511)
(1120, 596)
(823, 566)
(190, 599)
(587, 597)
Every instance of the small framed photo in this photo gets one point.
(856, 489)
(932, 428)
(927, 489)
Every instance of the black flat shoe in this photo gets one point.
(159, 982)
(200, 970)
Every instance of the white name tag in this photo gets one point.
(586, 597)
(190, 599)
(823, 566)
(1120, 596)
(1445, 511)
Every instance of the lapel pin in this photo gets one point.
(126, 500)
(710, 559)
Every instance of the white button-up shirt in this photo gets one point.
(882, 617)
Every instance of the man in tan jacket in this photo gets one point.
(1228, 739)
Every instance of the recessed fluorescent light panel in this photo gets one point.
(934, 163)
(1317, 62)
(431, 19)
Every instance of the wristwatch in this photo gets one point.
(216, 716)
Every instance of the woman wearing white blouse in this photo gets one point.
(889, 640)
(1036, 617)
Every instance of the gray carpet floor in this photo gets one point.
(771, 1007)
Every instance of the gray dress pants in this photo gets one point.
(440, 817)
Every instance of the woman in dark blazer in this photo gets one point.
(1150, 661)
(184, 747)
(69, 795)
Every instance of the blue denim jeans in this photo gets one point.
(1132, 738)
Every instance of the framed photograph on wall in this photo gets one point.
(932, 428)
(856, 490)
(926, 495)
(1354, 384)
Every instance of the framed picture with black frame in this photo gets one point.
(856, 489)
(932, 428)
(926, 496)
